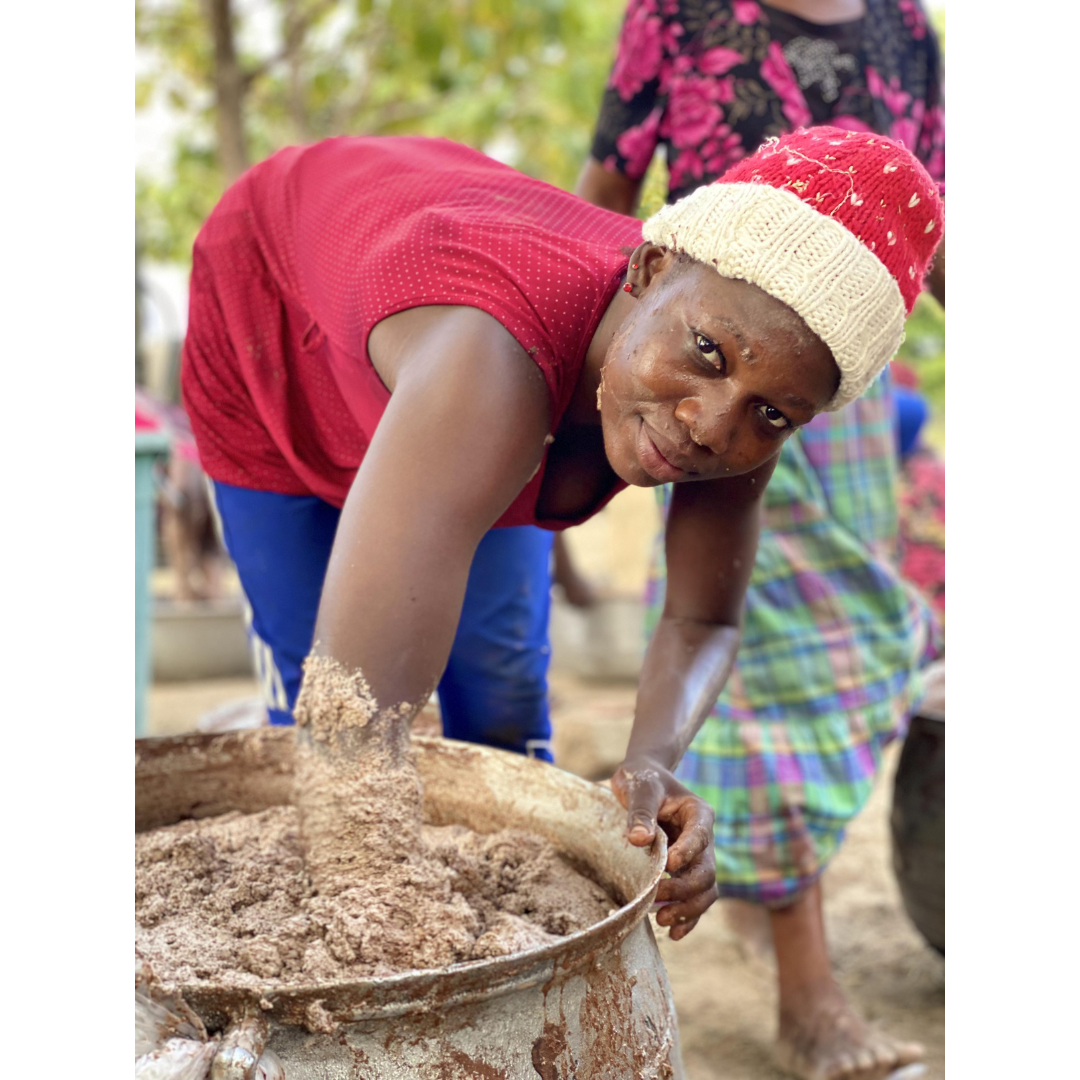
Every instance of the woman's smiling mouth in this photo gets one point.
(653, 461)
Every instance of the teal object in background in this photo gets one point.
(150, 448)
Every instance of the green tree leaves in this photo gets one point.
(521, 79)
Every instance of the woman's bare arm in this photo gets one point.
(462, 434)
(711, 542)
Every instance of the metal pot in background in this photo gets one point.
(918, 826)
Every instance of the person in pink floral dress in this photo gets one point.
(706, 82)
(709, 81)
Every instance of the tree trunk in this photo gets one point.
(230, 86)
(295, 28)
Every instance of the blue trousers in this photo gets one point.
(494, 689)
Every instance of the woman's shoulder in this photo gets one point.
(344, 160)
(383, 189)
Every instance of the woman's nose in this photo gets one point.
(710, 420)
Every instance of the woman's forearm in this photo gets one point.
(390, 603)
(711, 540)
(686, 666)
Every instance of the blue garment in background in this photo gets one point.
(494, 690)
(911, 414)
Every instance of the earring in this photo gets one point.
(628, 287)
(634, 266)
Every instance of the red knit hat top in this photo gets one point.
(873, 186)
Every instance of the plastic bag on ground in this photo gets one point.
(170, 1040)
(269, 1067)
(176, 1059)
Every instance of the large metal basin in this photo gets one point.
(594, 1006)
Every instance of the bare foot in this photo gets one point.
(821, 1038)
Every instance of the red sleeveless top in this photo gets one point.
(313, 247)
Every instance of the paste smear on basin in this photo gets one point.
(348, 883)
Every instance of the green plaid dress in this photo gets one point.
(828, 667)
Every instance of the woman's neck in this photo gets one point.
(822, 12)
(582, 408)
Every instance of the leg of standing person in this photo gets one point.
(576, 589)
(817, 1024)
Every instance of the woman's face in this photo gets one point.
(707, 376)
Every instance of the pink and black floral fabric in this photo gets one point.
(710, 80)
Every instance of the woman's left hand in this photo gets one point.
(652, 797)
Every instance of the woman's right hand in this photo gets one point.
(653, 797)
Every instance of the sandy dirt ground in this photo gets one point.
(725, 996)
(175, 708)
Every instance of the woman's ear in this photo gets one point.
(649, 263)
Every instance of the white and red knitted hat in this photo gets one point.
(839, 225)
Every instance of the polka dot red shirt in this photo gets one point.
(309, 250)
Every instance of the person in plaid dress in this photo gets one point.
(833, 637)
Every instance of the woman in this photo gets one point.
(436, 344)
(832, 637)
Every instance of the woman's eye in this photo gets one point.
(709, 348)
(774, 416)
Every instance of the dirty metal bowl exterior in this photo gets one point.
(594, 1006)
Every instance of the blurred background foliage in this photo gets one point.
(519, 79)
(924, 351)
